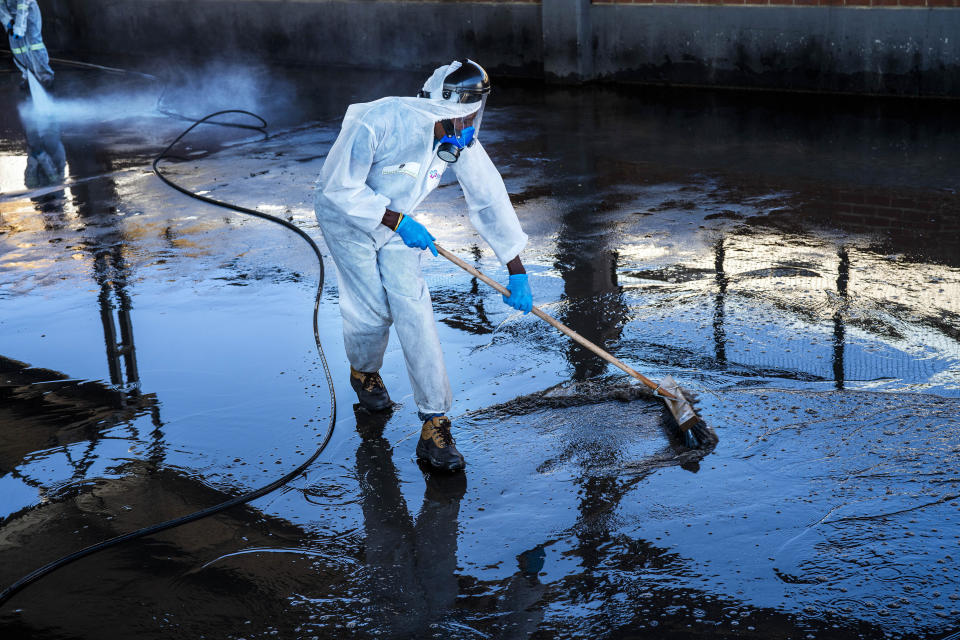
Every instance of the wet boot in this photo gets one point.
(370, 389)
(437, 447)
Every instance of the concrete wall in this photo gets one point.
(352, 33)
(817, 45)
(900, 51)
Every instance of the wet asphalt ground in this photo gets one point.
(793, 260)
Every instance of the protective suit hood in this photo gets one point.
(432, 109)
(441, 108)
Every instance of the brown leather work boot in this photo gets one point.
(370, 389)
(437, 447)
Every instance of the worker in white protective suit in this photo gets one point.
(389, 156)
(21, 20)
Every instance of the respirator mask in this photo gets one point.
(467, 85)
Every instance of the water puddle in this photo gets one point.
(793, 265)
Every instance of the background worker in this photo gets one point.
(390, 154)
(22, 22)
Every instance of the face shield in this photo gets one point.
(460, 133)
(473, 119)
(467, 85)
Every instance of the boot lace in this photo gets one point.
(372, 382)
(441, 428)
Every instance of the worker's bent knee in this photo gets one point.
(414, 291)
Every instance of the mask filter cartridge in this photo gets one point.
(451, 144)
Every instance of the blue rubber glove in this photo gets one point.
(521, 298)
(415, 234)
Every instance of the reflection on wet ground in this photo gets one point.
(794, 262)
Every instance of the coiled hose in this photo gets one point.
(7, 593)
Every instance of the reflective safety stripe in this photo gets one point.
(37, 47)
(17, 51)
(20, 7)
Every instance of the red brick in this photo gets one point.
(941, 3)
(913, 3)
(859, 209)
(853, 218)
(857, 3)
(905, 203)
(757, 2)
(878, 200)
(806, 3)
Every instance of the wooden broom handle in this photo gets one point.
(557, 324)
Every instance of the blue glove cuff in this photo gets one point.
(518, 277)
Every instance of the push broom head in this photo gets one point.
(694, 431)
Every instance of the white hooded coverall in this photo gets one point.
(385, 158)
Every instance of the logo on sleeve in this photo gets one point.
(434, 174)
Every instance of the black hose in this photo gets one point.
(96, 67)
(7, 593)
